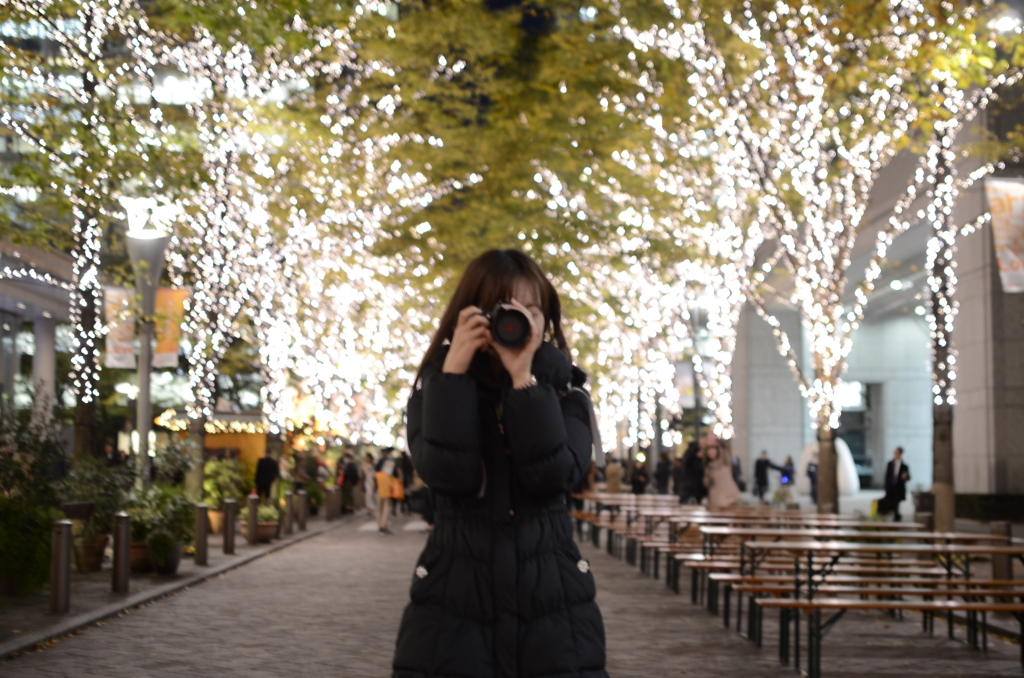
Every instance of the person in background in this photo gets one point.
(812, 475)
(897, 474)
(613, 476)
(385, 471)
(678, 477)
(638, 477)
(110, 453)
(349, 481)
(369, 484)
(737, 468)
(761, 467)
(722, 489)
(662, 473)
(783, 495)
(267, 471)
(300, 472)
(693, 491)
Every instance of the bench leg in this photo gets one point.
(727, 595)
(657, 558)
(712, 600)
(984, 632)
(814, 646)
(643, 559)
(796, 640)
(752, 620)
(758, 619)
(783, 636)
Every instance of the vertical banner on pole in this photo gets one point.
(1006, 204)
(120, 339)
(170, 312)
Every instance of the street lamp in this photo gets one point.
(147, 241)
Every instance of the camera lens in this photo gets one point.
(509, 327)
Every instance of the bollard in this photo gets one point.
(202, 534)
(329, 509)
(289, 507)
(60, 568)
(302, 510)
(230, 518)
(122, 537)
(251, 527)
(1002, 563)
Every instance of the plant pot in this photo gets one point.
(266, 531)
(89, 555)
(77, 510)
(216, 520)
(170, 566)
(138, 557)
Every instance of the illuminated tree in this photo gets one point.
(76, 100)
(818, 97)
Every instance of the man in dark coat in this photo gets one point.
(896, 476)
(638, 477)
(500, 591)
(349, 482)
(662, 473)
(693, 476)
(761, 467)
(267, 471)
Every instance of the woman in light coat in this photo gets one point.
(369, 484)
(722, 489)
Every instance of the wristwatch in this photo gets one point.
(531, 382)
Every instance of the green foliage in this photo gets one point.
(92, 479)
(222, 479)
(25, 545)
(31, 464)
(316, 493)
(177, 459)
(162, 510)
(161, 546)
(267, 513)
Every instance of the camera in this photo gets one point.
(509, 326)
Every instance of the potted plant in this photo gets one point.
(141, 515)
(222, 479)
(92, 481)
(162, 520)
(171, 525)
(268, 520)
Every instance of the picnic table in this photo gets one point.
(714, 535)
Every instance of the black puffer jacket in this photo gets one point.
(500, 589)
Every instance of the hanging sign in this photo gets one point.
(120, 339)
(684, 383)
(1006, 204)
(170, 312)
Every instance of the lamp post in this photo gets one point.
(147, 242)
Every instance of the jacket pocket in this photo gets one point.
(577, 578)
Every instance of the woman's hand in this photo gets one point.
(472, 333)
(519, 361)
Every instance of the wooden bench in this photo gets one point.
(817, 630)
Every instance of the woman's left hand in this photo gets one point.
(519, 361)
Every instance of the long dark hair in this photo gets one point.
(488, 280)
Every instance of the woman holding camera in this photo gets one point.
(500, 436)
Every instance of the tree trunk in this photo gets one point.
(828, 481)
(85, 412)
(942, 468)
(194, 478)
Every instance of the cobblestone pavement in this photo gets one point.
(330, 606)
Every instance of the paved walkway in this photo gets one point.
(330, 606)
